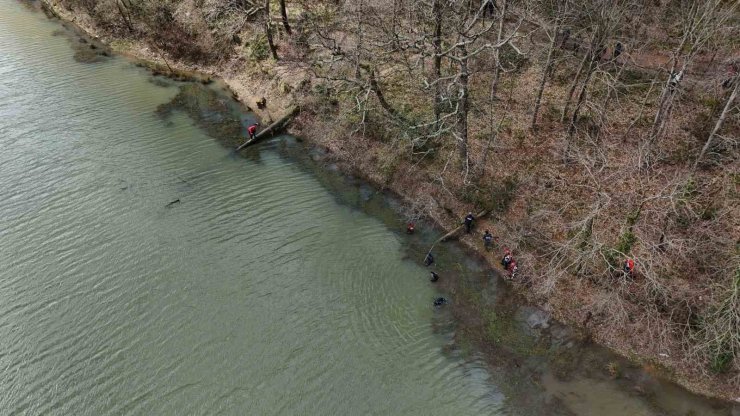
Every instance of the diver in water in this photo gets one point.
(410, 228)
(429, 259)
(439, 301)
(434, 277)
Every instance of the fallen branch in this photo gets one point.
(453, 232)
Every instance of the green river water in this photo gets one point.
(275, 286)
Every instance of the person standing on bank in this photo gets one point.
(487, 240)
(469, 222)
(629, 267)
(252, 130)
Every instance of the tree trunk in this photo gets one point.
(581, 96)
(497, 68)
(659, 119)
(666, 96)
(125, 13)
(664, 106)
(381, 98)
(268, 31)
(574, 85)
(490, 141)
(642, 109)
(437, 43)
(720, 121)
(452, 233)
(360, 38)
(545, 75)
(462, 111)
(272, 129)
(459, 228)
(603, 118)
(284, 14)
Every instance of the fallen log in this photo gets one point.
(270, 130)
(453, 232)
(458, 229)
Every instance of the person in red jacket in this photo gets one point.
(629, 266)
(252, 130)
(508, 258)
(410, 228)
(512, 269)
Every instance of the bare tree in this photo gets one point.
(718, 340)
(469, 42)
(497, 51)
(606, 19)
(464, 105)
(702, 20)
(720, 121)
(284, 15)
(124, 9)
(551, 30)
(576, 78)
(438, 19)
(268, 30)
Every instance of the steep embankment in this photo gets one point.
(572, 197)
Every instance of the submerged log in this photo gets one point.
(272, 129)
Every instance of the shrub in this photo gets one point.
(719, 329)
(626, 241)
(614, 256)
(496, 199)
(635, 81)
(511, 59)
(503, 194)
(721, 362)
(258, 49)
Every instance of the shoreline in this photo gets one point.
(279, 102)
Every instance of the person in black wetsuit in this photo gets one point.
(434, 277)
(487, 240)
(469, 222)
(488, 8)
(618, 48)
(429, 259)
(439, 301)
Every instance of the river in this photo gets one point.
(147, 269)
